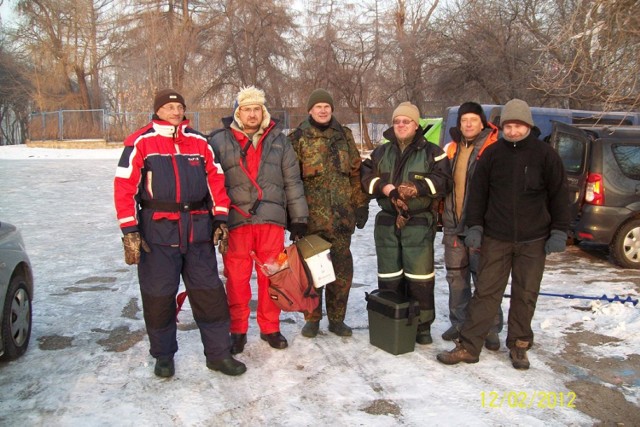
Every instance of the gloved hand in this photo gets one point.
(362, 215)
(397, 201)
(132, 243)
(297, 230)
(407, 190)
(221, 236)
(557, 242)
(401, 220)
(473, 239)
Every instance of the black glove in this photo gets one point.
(473, 239)
(297, 230)
(221, 236)
(397, 201)
(362, 215)
(132, 243)
(557, 242)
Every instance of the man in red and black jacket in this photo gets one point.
(172, 208)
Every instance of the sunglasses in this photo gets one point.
(402, 122)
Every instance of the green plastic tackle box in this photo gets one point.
(393, 321)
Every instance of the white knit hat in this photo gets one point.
(251, 95)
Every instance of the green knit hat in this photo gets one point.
(319, 95)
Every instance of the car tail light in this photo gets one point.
(594, 193)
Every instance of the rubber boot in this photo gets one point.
(425, 319)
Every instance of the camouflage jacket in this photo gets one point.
(330, 169)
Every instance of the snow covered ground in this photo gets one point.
(88, 361)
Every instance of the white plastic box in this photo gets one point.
(321, 268)
(315, 252)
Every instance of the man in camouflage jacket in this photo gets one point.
(330, 169)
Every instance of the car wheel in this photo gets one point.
(625, 247)
(16, 319)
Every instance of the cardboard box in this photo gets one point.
(315, 253)
(393, 321)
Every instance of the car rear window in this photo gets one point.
(628, 159)
(571, 151)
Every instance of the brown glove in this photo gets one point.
(401, 220)
(397, 201)
(407, 190)
(221, 236)
(132, 243)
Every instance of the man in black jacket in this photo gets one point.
(518, 209)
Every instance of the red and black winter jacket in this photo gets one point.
(171, 164)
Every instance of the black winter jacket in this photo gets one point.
(519, 191)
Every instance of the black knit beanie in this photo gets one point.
(165, 96)
(471, 107)
(319, 95)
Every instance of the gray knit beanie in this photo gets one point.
(516, 110)
(317, 96)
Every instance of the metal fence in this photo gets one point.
(102, 124)
(114, 127)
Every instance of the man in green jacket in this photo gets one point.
(406, 176)
(330, 169)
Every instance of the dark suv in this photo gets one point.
(603, 170)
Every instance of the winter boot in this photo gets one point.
(451, 334)
(340, 329)
(228, 366)
(518, 355)
(311, 329)
(164, 367)
(275, 340)
(457, 355)
(423, 335)
(238, 342)
(492, 341)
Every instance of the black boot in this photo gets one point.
(423, 336)
(228, 366)
(340, 329)
(425, 319)
(164, 367)
(238, 342)
(311, 329)
(275, 340)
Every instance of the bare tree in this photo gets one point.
(62, 37)
(408, 61)
(485, 53)
(254, 37)
(342, 53)
(14, 98)
(591, 52)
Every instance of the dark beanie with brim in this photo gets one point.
(473, 108)
(166, 96)
(317, 96)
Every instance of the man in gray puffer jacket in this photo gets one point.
(262, 179)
